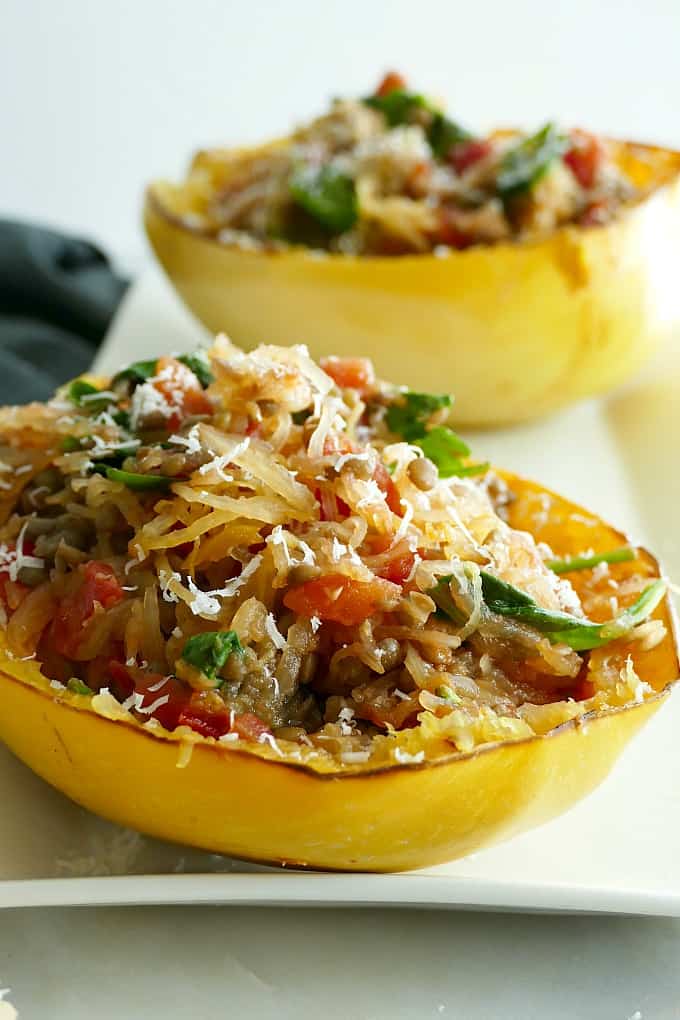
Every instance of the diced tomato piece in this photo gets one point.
(99, 587)
(332, 508)
(128, 679)
(97, 672)
(583, 690)
(205, 722)
(350, 373)
(339, 598)
(169, 713)
(390, 83)
(584, 158)
(463, 155)
(449, 231)
(122, 684)
(384, 482)
(210, 723)
(399, 567)
(11, 592)
(249, 726)
(181, 389)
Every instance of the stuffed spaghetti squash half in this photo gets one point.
(274, 609)
(534, 268)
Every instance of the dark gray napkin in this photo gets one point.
(58, 295)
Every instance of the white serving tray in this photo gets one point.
(618, 851)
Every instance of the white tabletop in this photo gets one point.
(213, 963)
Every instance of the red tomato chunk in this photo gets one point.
(392, 82)
(99, 587)
(465, 154)
(339, 598)
(350, 373)
(181, 389)
(585, 157)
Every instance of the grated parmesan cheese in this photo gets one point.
(274, 632)
(106, 705)
(21, 559)
(191, 441)
(148, 401)
(135, 700)
(228, 738)
(102, 447)
(150, 709)
(354, 757)
(267, 738)
(347, 457)
(405, 522)
(600, 570)
(218, 463)
(206, 603)
(345, 721)
(157, 686)
(373, 494)
(404, 758)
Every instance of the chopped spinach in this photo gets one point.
(328, 195)
(524, 164)
(560, 628)
(77, 686)
(208, 652)
(137, 372)
(200, 366)
(133, 480)
(444, 133)
(409, 416)
(398, 105)
(622, 555)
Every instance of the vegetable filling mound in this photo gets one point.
(392, 174)
(259, 550)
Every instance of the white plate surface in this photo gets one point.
(618, 851)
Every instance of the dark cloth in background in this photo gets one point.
(58, 295)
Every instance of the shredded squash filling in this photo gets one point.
(392, 174)
(255, 549)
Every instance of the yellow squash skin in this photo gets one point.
(399, 817)
(516, 330)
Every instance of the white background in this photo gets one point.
(95, 99)
(98, 97)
